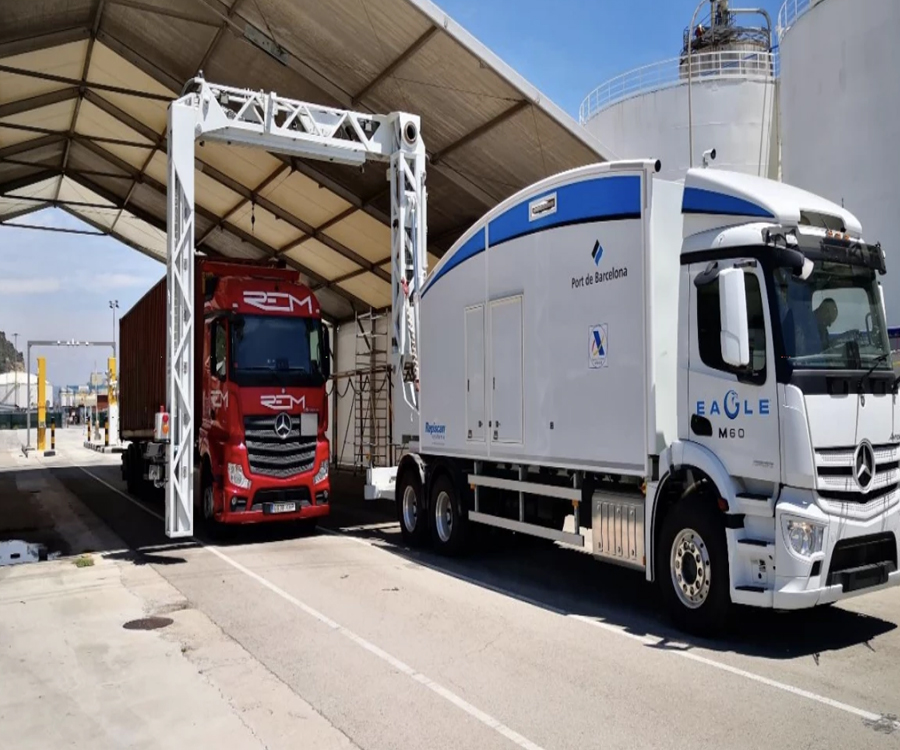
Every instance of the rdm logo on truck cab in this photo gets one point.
(277, 302)
(435, 431)
(282, 401)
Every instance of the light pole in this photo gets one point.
(16, 371)
(114, 305)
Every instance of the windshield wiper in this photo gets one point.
(878, 361)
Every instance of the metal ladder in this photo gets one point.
(372, 414)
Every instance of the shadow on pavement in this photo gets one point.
(560, 579)
(571, 582)
(153, 556)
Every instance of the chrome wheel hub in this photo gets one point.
(443, 517)
(410, 508)
(690, 568)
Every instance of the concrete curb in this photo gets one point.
(100, 448)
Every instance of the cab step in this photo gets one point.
(750, 504)
(754, 542)
(755, 596)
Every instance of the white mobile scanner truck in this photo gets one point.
(699, 372)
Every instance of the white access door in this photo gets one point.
(475, 416)
(506, 370)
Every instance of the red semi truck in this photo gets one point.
(262, 359)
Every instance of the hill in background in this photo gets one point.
(10, 359)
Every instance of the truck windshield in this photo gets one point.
(832, 320)
(269, 349)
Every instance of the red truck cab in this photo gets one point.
(260, 397)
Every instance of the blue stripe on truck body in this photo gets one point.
(700, 201)
(607, 198)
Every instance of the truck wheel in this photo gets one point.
(692, 568)
(449, 518)
(411, 510)
(126, 469)
(210, 526)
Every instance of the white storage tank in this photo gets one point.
(840, 106)
(14, 390)
(643, 113)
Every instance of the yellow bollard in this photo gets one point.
(52, 451)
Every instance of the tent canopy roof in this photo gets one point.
(84, 89)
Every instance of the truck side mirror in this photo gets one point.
(735, 333)
(326, 352)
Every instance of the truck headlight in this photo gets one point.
(805, 538)
(322, 473)
(236, 476)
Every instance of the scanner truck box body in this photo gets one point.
(699, 370)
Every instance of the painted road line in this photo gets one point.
(393, 661)
(886, 723)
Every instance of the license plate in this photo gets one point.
(280, 507)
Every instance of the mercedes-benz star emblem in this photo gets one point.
(283, 425)
(864, 465)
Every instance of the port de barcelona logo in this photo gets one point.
(599, 276)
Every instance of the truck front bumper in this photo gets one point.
(858, 555)
(291, 501)
(269, 499)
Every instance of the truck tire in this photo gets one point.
(692, 568)
(208, 523)
(449, 519)
(412, 510)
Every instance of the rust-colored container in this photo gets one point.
(142, 345)
(142, 370)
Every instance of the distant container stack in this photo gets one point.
(840, 106)
(644, 113)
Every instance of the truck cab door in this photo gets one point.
(734, 410)
(215, 398)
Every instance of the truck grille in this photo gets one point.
(272, 455)
(836, 481)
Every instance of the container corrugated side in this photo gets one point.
(142, 371)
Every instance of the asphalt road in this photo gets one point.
(521, 643)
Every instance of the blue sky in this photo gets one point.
(58, 286)
(568, 47)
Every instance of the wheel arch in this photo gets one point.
(206, 465)
(411, 462)
(689, 472)
(444, 466)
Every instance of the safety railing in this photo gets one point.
(705, 66)
(790, 12)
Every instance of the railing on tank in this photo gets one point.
(791, 11)
(728, 64)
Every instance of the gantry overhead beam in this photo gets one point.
(268, 121)
(250, 196)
